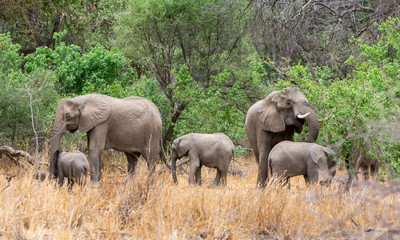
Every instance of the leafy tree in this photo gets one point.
(205, 36)
(18, 87)
(34, 23)
(316, 32)
(79, 73)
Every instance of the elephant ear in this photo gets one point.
(269, 116)
(319, 157)
(94, 110)
(184, 145)
(330, 156)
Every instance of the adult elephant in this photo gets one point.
(131, 125)
(275, 119)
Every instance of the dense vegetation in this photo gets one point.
(203, 63)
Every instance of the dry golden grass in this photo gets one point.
(39, 210)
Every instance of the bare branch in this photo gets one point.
(14, 154)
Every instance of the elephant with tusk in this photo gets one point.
(276, 118)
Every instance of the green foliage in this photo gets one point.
(209, 110)
(159, 36)
(100, 70)
(20, 91)
(34, 23)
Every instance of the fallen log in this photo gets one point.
(15, 154)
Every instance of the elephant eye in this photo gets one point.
(289, 103)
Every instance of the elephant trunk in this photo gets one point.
(312, 121)
(173, 159)
(164, 157)
(58, 132)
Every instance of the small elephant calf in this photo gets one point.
(210, 150)
(289, 159)
(71, 165)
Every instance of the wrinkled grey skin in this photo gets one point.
(131, 125)
(71, 165)
(289, 159)
(211, 150)
(361, 162)
(276, 118)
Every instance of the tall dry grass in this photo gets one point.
(162, 210)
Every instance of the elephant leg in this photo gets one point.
(60, 178)
(194, 165)
(306, 180)
(80, 177)
(264, 149)
(262, 176)
(217, 178)
(352, 175)
(151, 151)
(285, 182)
(198, 176)
(96, 147)
(223, 178)
(151, 163)
(256, 154)
(312, 176)
(132, 162)
(70, 183)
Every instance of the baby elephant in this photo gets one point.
(361, 160)
(291, 159)
(72, 165)
(211, 150)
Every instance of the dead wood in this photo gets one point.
(15, 154)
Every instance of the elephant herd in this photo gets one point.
(133, 125)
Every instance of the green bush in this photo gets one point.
(82, 73)
(21, 91)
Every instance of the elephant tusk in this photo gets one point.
(303, 116)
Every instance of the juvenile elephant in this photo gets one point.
(289, 159)
(131, 125)
(71, 165)
(360, 160)
(275, 119)
(211, 150)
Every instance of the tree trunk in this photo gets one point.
(174, 119)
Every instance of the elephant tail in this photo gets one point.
(163, 156)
